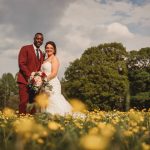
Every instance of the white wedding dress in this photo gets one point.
(57, 103)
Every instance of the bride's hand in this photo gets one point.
(48, 79)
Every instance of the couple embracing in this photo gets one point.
(31, 59)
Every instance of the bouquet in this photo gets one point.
(38, 82)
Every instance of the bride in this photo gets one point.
(57, 103)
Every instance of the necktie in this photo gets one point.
(37, 54)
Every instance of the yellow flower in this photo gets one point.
(40, 141)
(8, 112)
(45, 133)
(127, 133)
(94, 131)
(145, 146)
(136, 129)
(79, 125)
(95, 117)
(42, 100)
(115, 120)
(143, 128)
(133, 123)
(107, 130)
(93, 142)
(28, 128)
(136, 116)
(24, 125)
(77, 105)
(35, 136)
(54, 125)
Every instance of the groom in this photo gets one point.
(29, 60)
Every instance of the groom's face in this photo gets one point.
(38, 40)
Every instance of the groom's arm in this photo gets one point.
(22, 61)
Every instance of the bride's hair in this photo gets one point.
(53, 44)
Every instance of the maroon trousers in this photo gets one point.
(24, 97)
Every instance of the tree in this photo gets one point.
(139, 70)
(99, 77)
(139, 76)
(8, 88)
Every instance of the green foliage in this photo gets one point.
(139, 77)
(141, 100)
(8, 89)
(139, 81)
(99, 77)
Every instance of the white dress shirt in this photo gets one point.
(35, 50)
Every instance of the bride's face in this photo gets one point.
(49, 50)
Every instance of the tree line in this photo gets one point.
(105, 76)
(108, 77)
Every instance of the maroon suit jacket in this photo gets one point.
(28, 63)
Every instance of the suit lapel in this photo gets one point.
(33, 51)
(34, 56)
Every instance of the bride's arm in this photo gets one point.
(54, 69)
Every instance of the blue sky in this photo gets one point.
(74, 25)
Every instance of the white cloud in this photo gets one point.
(96, 23)
(120, 30)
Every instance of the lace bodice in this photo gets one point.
(46, 67)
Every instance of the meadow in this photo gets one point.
(96, 130)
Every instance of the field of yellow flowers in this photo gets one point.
(97, 130)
